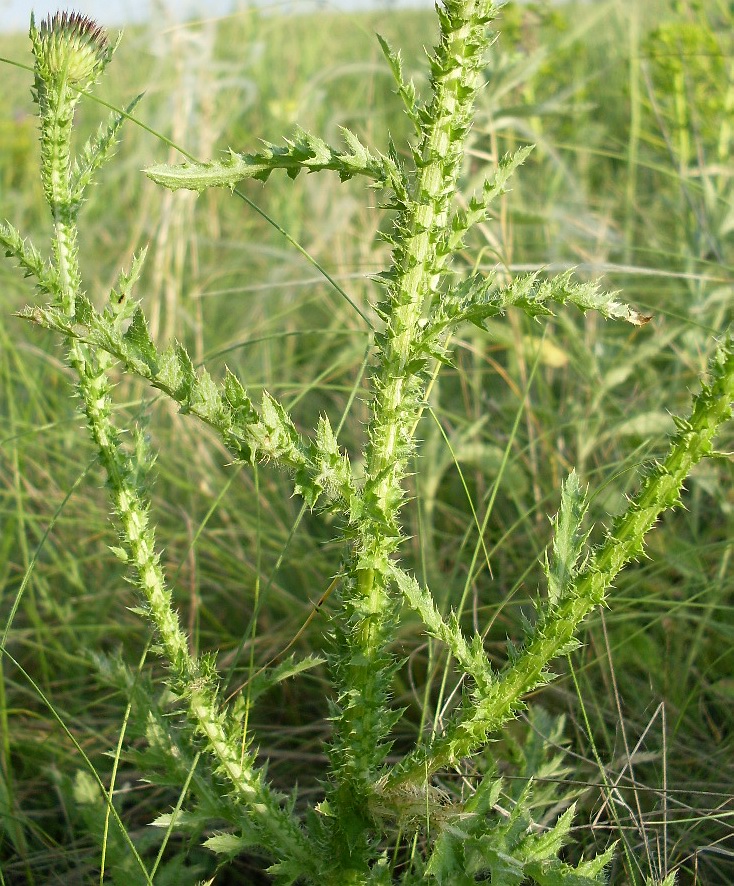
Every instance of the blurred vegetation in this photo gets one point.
(631, 107)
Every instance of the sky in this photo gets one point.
(15, 14)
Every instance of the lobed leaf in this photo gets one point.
(224, 407)
(568, 539)
(470, 656)
(406, 89)
(554, 633)
(303, 151)
(478, 298)
(479, 205)
(126, 280)
(29, 259)
(264, 680)
(98, 149)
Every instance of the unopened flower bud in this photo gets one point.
(70, 46)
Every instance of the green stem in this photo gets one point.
(365, 668)
(477, 720)
(57, 109)
(278, 830)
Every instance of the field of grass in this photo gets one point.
(631, 109)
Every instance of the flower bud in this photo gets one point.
(71, 47)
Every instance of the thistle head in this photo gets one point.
(71, 47)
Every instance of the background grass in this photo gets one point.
(632, 112)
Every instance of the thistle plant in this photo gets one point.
(369, 796)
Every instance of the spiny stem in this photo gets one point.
(415, 279)
(470, 729)
(276, 826)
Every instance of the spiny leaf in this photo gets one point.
(126, 280)
(556, 632)
(406, 89)
(478, 298)
(280, 434)
(138, 336)
(206, 399)
(225, 407)
(230, 845)
(29, 259)
(470, 656)
(549, 844)
(265, 680)
(187, 377)
(303, 151)
(496, 185)
(97, 151)
(568, 539)
(169, 375)
(241, 406)
(479, 205)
